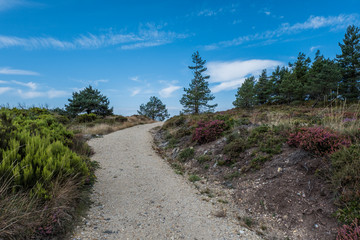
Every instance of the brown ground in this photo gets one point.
(287, 198)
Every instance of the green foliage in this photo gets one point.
(196, 97)
(186, 154)
(154, 109)
(263, 88)
(120, 119)
(84, 118)
(88, 100)
(246, 95)
(259, 160)
(345, 178)
(349, 60)
(204, 158)
(234, 148)
(36, 151)
(233, 175)
(194, 178)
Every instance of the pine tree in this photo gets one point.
(154, 109)
(263, 88)
(323, 78)
(299, 72)
(349, 60)
(197, 96)
(246, 96)
(89, 100)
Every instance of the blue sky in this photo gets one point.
(131, 50)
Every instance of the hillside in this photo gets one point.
(293, 169)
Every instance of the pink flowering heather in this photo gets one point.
(349, 232)
(208, 131)
(318, 140)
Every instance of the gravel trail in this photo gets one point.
(138, 196)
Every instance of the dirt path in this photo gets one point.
(138, 196)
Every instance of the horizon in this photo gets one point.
(132, 51)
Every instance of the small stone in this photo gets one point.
(316, 226)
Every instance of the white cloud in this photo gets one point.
(148, 35)
(36, 94)
(3, 82)
(4, 89)
(57, 93)
(232, 74)
(167, 92)
(209, 12)
(135, 79)
(313, 22)
(30, 85)
(267, 13)
(313, 48)
(9, 71)
(8, 4)
(135, 92)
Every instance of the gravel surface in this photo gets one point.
(138, 196)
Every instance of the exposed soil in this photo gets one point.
(287, 198)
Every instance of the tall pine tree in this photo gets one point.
(246, 95)
(263, 88)
(349, 60)
(197, 96)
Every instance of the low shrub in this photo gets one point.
(235, 148)
(186, 154)
(204, 158)
(349, 232)
(345, 178)
(194, 178)
(120, 119)
(318, 140)
(83, 118)
(208, 131)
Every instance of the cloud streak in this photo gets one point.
(230, 75)
(10, 71)
(313, 22)
(168, 91)
(149, 35)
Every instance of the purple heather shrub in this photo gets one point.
(349, 232)
(318, 140)
(208, 131)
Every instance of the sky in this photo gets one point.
(132, 50)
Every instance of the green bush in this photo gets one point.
(194, 178)
(186, 154)
(204, 158)
(36, 152)
(345, 178)
(235, 147)
(84, 118)
(121, 119)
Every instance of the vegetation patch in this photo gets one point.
(208, 131)
(186, 154)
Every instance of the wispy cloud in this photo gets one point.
(135, 79)
(313, 22)
(210, 12)
(30, 85)
(10, 71)
(8, 4)
(135, 92)
(37, 94)
(230, 75)
(168, 91)
(313, 48)
(4, 89)
(149, 35)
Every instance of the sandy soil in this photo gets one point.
(138, 196)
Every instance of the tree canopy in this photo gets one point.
(154, 109)
(197, 96)
(89, 100)
(245, 96)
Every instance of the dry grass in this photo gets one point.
(23, 216)
(106, 128)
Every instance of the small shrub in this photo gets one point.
(317, 140)
(186, 154)
(204, 158)
(345, 178)
(349, 232)
(121, 119)
(194, 178)
(228, 120)
(257, 161)
(233, 175)
(234, 148)
(243, 121)
(83, 118)
(208, 131)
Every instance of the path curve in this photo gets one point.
(138, 196)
